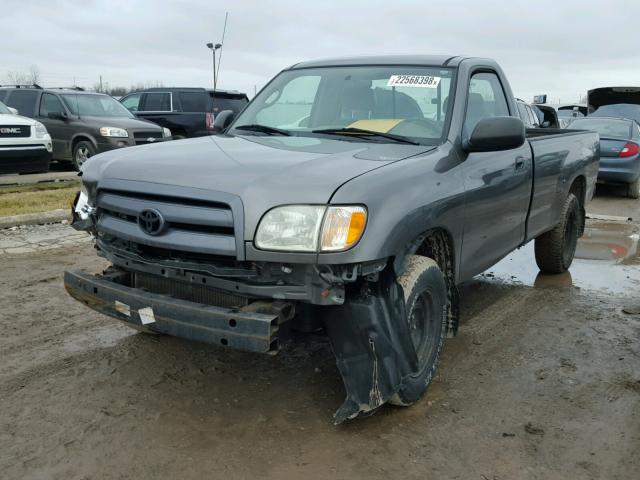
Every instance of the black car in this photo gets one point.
(187, 112)
(81, 123)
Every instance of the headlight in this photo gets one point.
(166, 132)
(311, 228)
(342, 228)
(114, 132)
(41, 130)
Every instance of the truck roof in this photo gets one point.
(434, 60)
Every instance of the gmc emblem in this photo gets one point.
(15, 131)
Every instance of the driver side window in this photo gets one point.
(49, 103)
(486, 99)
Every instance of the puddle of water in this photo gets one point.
(606, 260)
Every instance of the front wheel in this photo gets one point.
(556, 248)
(82, 152)
(425, 294)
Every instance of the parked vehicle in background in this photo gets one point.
(619, 150)
(336, 200)
(187, 112)
(617, 102)
(25, 144)
(548, 117)
(537, 116)
(527, 115)
(572, 110)
(81, 124)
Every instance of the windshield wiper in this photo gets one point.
(362, 133)
(263, 129)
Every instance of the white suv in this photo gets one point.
(25, 144)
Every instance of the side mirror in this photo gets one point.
(13, 110)
(496, 133)
(56, 115)
(223, 120)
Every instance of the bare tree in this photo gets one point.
(17, 78)
(34, 74)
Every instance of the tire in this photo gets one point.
(556, 248)
(425, 294)
(82, 151)
(633, 189)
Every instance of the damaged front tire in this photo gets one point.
(425, 295)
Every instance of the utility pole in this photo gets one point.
(213, 49)
(101, 90)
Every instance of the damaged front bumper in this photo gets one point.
(258, 327)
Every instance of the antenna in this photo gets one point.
(224, 31)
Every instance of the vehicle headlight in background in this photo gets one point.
(311, 228)
(41, 130)
(114, 132)
(166, 132)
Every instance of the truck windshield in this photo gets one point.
(4, 110)
(95, 105)
(396, 102)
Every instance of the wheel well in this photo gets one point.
(79, 139)
(579, 189)
(438, 245)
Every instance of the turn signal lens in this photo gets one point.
(342, 228)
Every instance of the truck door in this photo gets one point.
(497, 184)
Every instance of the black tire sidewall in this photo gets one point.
(431, 279)
(82, 143)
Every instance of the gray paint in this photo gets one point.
(481, 199)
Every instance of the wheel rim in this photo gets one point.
(423, 324)
(82, 155)
(570, 239)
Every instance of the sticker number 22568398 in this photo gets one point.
(423, 81)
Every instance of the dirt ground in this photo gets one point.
(542, 382)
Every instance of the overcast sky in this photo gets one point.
(559, 47)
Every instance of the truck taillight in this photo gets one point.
(209, 121)
(629, 150)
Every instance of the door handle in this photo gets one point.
(520, 162)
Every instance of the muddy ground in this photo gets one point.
(543, 382)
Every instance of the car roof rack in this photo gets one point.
(23, 85)
(78, 89)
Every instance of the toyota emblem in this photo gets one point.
(151, 221)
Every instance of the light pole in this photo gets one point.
(213, 49)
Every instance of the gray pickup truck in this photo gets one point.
(351, 196)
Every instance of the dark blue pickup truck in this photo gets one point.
(350, 196)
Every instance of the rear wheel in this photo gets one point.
(82, 152)
(633, 189)
(425, 294)
(556, 248)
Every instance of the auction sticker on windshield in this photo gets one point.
(423, 81)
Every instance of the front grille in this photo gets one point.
(15, 131)
(142, 138)
(188, 291)
(189, 227)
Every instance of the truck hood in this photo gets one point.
(287, 169)
(10, 119)
(264, 171)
